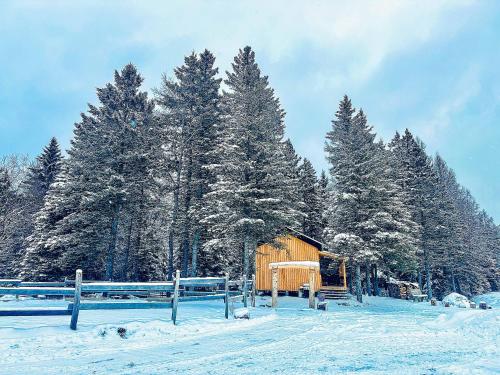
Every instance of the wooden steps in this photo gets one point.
(334, 293)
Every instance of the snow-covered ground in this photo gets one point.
(383, 336)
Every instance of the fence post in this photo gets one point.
(253, 290)
(175, 300)
(245, 291)
(76, 302)
(275, 282)
(312, 288)
(226, 296)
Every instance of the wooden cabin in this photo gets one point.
(298, 247)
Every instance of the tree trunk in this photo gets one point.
(187, 216)
(185, 254)
(194, 254)
(428, 281)
(173, 224)
(453, 283)
(351, 284)
(459, 290)
(359, 295)
(375, 281)
(112, 242)
(127, 252)
(246, 254)
(420, 284)
(368, 281)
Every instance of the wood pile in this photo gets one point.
(402, 289)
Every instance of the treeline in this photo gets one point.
(194, 178)
(396, 208)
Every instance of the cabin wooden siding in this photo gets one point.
(289, 279)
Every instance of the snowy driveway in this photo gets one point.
(385, 336)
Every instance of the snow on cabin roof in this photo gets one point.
(298, 264)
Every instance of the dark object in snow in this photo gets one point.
(122, 332)
(322, 306)
(446, 304)
(483, 305)
(242, 313)
(433, 302)
(321, 297)
(472, 305)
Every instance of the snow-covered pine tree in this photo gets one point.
(450, 254)
(247, 203)
(9, 249)
(43, 173)
(324, 198)
(36, 185)
(367, 218)
(82, 221)
(480, 241)
(352, 155)
(312, 222)
(293, 191)
(190, 108)
(15, 213)
(392, 226)
(418, 179)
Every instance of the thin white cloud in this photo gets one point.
(365, 31)
(466, 88)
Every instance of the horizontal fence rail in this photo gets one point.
(37, 291)
(178, 290)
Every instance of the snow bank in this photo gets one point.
(456, 299)
(145, 342)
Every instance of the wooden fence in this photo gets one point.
(178, 290)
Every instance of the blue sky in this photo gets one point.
(431, 66)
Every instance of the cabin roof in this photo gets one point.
(323, 249)
(311, 241)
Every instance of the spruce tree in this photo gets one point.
(39, 179)
(417, 177)
(312, 222)
(104, 180)
(43, 173)
(367, 218)
(191, 107)
(9, 248)
(351, 153)
(248, 200)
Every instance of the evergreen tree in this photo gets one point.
(9, 247)
(418, 179)
(392, 225)
(367, 219)
(324, 197)
(43, 173)
(15, 213)
(38, 180)
(351, 153)
(312, 222)
(248, 201)
(191, 105)
(293, 192)
(105, 180)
